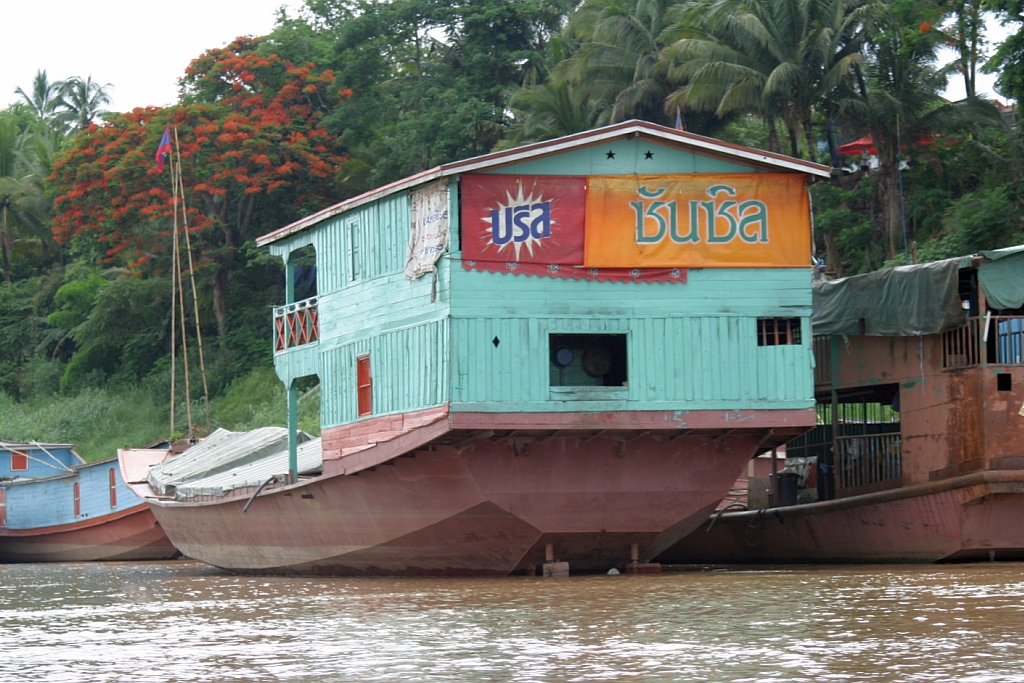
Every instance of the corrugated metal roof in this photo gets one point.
(697, 143)
(229, 460)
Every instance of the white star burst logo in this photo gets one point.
(521, 221)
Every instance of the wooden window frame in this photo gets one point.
(22, 458)
(353, 251)
(77, 492)
(364, 386)
(779, 331)
(113, 489)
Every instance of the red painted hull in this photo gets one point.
(961, 518)
(133, 534)
(487, 508)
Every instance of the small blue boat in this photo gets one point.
(55, 507)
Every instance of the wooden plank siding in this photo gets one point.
(630, 157)
(408, 369)
(50, 501)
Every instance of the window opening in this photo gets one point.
(19, 461)
(581, 360)
(353, 251)
(778, 331)
(364, 385)
(113, 489)
(304, 273)
(78, 500)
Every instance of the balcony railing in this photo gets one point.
(296, 324)
(868, 459)
(968, 344)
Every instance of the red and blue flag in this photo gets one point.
(163, 149)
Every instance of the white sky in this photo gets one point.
(142, 48)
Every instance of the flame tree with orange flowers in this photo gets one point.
(253, 158)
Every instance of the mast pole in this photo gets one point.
(181, 304)
(174, 294)
(192, 280)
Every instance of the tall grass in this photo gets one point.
(99, 421)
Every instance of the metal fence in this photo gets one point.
(868, 459)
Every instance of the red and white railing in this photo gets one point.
(296, 324)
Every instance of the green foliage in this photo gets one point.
(258, 399)
(987, 218)
(98, 421)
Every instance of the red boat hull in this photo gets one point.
(133, 534)
(488, 508)
(976, 516)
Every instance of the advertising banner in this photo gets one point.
(429, 236)
(523, 219)
(734, 220)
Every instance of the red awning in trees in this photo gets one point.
(858, 147)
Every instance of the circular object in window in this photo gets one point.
(597, 361)
(562, 357)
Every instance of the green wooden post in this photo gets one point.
(293, 431)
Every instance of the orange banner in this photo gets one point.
(733, 220)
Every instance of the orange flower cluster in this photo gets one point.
(247, 127)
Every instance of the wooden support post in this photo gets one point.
(293, 432)
(772, 489)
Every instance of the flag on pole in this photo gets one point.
(679, 119)
(163, 149)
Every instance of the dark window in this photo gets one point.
(113, 488)
(364, 385)
(1004, 382)
(78, 500)
(19, 461)
(778, 331)
(588, 360)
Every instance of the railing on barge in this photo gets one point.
(296, 324)
(969, 344)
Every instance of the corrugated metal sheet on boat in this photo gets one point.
(230, 460)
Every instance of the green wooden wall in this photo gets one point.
(690, 346)
(692, 343)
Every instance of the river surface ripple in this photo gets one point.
(185, 621)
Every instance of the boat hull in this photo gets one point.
(132, 534)
(971, 517)
(489, 508)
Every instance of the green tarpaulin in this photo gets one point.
(1002, 278)
(896, 302)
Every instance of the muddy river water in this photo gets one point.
(185, 621)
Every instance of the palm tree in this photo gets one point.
(22, 200)
(549, 110)
(617, 63)
(82, 101)
(44, 98)
(779, 59)
(898, 102)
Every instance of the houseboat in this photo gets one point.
(554, 357)
(55, 507)
(918, 454)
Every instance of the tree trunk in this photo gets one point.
(889, 199)
(773, 135)
(5, 244)
(220, 301)
(809, 139)
(832, 259)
